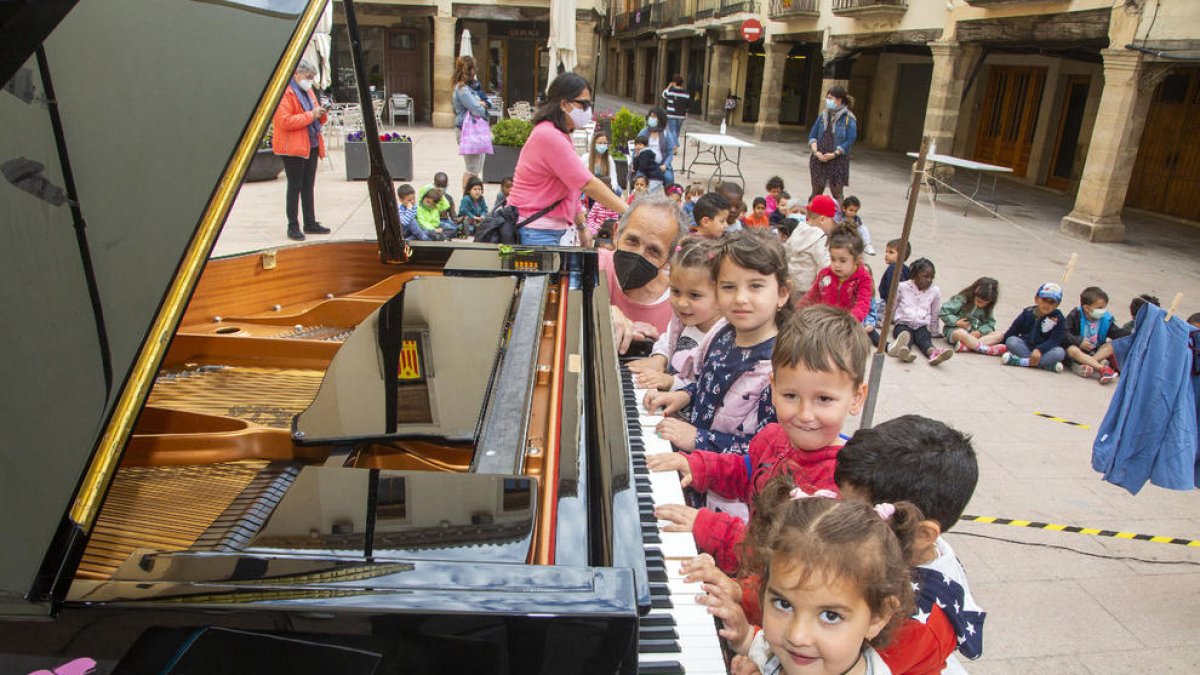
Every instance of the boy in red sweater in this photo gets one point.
(819, 364)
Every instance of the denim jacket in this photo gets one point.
(845, 129)
(466, 100)
(666, 145)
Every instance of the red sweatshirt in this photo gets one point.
(853, 294)
(741, 477)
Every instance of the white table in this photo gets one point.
(979, 168)
(713, 150)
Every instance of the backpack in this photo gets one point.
(501, 226)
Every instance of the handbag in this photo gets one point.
(501, 226)
(476, 138)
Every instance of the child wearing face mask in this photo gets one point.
(694, 300)
(918, 304)
(601, 163)
(1089, 334)
(731, 398)
(845, 282)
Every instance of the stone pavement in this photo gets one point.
(1057, 602)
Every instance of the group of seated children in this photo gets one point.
(765, 391)
(428, 214)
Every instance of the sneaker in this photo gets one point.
(1082, 369)
(316, 228)
(1009, 360)
(1058, 367)
(899, 344)
(960, 347)
(870, 250)
(295, 234)
(940, 356)
(996, 350)
(905, 354)
(1108, 376)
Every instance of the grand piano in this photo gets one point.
(335, 457)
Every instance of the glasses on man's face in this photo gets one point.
(583, 103)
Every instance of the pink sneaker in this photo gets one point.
(1108, 375)
(940, 356)
(997, 350)
(960, 347)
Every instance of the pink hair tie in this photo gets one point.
(885, 511)
(711, 255)
(678, 248)
(797, 493)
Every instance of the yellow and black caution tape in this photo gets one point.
(1048, 416)
(1193, 543)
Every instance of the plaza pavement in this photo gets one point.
(1057, 602)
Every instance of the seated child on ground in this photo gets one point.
(710, 214)
(1134, 306)
(604, 235)
(408, 213)
(675, 193)
(694, 299)
(1194, 320)
(1089, 336)
(808, 246)
(969, 320)
(779, 216)
(891, 256)
(473, 207)
(505, 188)
(774, 190)
(690, 197)
(733, 194)
(432, 206)
(641, 187)
(442, 182)
(849, 214)
(846, 282)
(757, 217)
(918, 302)
(818, 374)
(1036, 336)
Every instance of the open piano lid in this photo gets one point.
(162, 104)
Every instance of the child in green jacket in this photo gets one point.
(968, 321)
(431, 205)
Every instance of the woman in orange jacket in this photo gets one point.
(298, 140)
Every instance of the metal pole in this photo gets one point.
(880, 356)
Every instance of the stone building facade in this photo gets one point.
(1095, 98)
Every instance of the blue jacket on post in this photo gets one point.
(1150, 429)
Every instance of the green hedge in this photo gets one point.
(625, 127)
(511, 132)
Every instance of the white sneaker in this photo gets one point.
(899, 345)
(870, 250)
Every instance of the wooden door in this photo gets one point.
(908, 118)
(1166, 175)
(1009, 117)
(404, 67)
(1062, 168)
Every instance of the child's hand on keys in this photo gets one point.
(742, 665)
(681, 434)
(728, 608)
(668, 402)
(681, 517)
(670, 461)
(652, 380)
(651, 364)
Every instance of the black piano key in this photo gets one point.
(657, 619)
(663, 602)
(657, 633)
(651, 538)
(658, 647)
(656, 575)
(661, 668)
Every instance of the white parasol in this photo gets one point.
(318, 49)
(561, 46)
(464, 45)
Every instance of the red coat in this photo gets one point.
(921, 648)
(853, 295)
(291, 122)
(741, 477)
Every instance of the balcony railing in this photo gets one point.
(869, 7)
(781, 9)
(706, 8)
(621, 23)
(678, 12)
(643, 18)
(735, 6)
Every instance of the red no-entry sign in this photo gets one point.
(752, 30)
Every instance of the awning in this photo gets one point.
(464, 45)
(561, 45)
(318, 50)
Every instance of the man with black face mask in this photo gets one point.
(637, 270)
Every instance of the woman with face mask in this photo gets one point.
(830, 141)
(549, 176)
(297, 138)
(600, 162)
(662, 142)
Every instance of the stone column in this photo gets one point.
(720, 70)
(443, 62)
(662, 75)
(640, 64)
(585, 52)
(767, 126)
(685, 60)
(619, 64)
(1111, 152)
(952, 64)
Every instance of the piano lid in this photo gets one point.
(158, 106)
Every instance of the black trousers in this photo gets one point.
(301, 177)
(920, 336)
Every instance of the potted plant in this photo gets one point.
(625, 126)
(397, 156)
(265, 165)
(508, 137)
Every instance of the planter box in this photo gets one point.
(398, 157)
(266, 165)
(622, 166)
(501, 164)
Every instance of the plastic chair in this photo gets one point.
(495, 108)
(402, 106)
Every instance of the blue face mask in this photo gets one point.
(601, 148)
(830, 103)
(652, 122)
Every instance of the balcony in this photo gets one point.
(869, 8)
(642, 19)
(786, 9)
(734, 6)
(705, 8)
(678, 12)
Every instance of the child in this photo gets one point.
(918, 302)
(733, 194)
(473, 207)
(731, 398)
(891, 256)
(408, 213)
(779, 216)
(694, 299)
(916, 459)
(693, 194)
(598, 215)
(505, 188)
(817, 380)
(603, 237)
(849, 214)
(1134, 306)
(757, 218)
(1089, 333)
(1194, 320)
(432, 206)
(675, 193)
(710, 214)
(968, 318)
(644, 163)
(807, 246)
(1036, 336)
(835, 583)
(441, 181)
(845, 282)
(774, 189)
(641, 186)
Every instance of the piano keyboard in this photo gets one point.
(678, 636)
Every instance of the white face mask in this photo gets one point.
(306, 85)
(580, 118)
(1097, 314)
(601, 148)
(652, 123)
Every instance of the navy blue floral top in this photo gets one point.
(723, 365)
